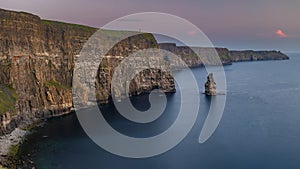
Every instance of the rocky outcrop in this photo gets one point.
(37, 59)
(210, 86)
(250, 55)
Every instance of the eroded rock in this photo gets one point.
(210, 86)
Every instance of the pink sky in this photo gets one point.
(237, 24)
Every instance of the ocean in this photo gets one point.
(260, 127)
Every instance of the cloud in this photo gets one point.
(281, 34)
(192, 33)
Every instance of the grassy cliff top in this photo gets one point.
(70, 25)
(113, 33)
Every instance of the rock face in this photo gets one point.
(37, 59)
(143, 82)
(210, 86)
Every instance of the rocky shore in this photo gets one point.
(8, 143)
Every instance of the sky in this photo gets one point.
(235, 24)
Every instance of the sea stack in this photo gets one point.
(210, 86)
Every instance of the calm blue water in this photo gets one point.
(260, 128)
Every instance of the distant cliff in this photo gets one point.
(189, 55)
(37, 59)
(250, 55)
(210, 55)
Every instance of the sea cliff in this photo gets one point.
(250, 55)
(37, 59)
(198, 56)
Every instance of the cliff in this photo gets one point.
(250, 55)
(210, 55)
(37, 59)
(190, 54)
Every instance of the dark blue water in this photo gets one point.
(260, 128)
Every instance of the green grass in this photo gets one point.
(110, 33)
(13, 150)
(8, 98)
(107, 33)
(191, 55)
(11, 160)
(71, 25)
(117, 33)
(56, 85)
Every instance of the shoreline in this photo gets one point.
(11, 143)
(8, 141)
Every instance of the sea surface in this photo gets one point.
(260, 128)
